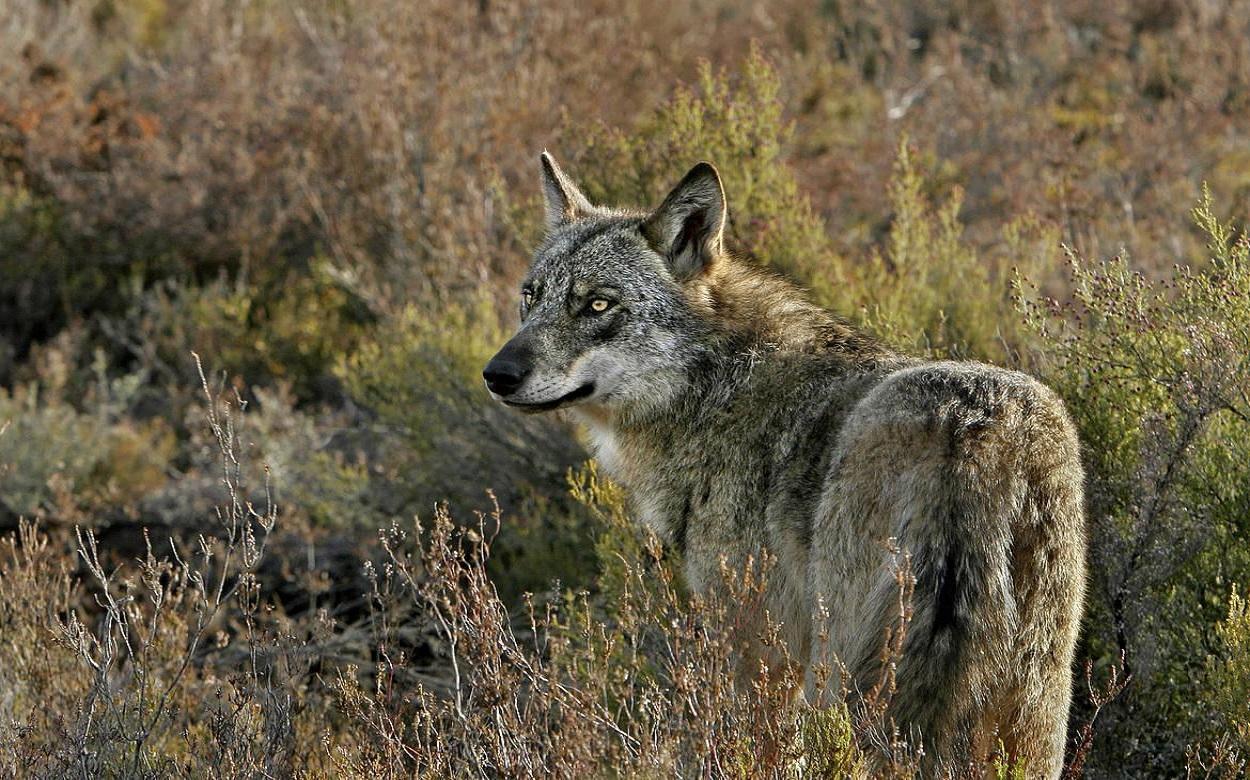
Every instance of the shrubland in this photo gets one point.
(319, 549)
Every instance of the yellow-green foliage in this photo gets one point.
(1156, 376)
(291, 328)
(36, 293)
(1230, 673)
(421, 375)
(443, 438)
(58, 458)
(43, 441)
(421, 370)
(1137, 353)
(26, 219)
(330, 486)
(930, 290)
(621, 543)
(734, 120)
(828, 739)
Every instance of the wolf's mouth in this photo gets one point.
(564, 400)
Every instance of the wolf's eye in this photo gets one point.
(527, 299)
(600, 305)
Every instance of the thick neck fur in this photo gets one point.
(759, 310)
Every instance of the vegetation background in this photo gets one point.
(217, 572)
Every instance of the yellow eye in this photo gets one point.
(527, 298)
(599, 305)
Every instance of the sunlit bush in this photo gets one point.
(1156, 376)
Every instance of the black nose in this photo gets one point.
(503, 375)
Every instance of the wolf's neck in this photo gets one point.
(763, 310)
(632, 455)
(652, 452)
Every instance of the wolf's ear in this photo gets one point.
(689, 226)
(564, 201)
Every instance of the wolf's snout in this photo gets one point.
(506, 371)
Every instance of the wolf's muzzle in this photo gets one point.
(507, 370)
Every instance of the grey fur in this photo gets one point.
(741, 417)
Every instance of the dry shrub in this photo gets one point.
(128, 672)
(645, 683)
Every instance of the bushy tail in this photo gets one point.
(998, 564)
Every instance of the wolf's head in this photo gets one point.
(609, 308)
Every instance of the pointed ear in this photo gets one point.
(564, 201)
(688, 228)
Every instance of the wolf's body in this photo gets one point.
(740, 417)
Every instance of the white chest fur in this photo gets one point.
(605, 447)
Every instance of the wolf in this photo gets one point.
(742, 417)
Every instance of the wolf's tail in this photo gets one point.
(999, 586)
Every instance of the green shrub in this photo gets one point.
(292, 328)
(734, 121)
(78, 465)
(38, 282)
(1230, 681)
(931, 291)
(1156, 378)
(444, 439)
(328, 479)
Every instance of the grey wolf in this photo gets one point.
(739, 416)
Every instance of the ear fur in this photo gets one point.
(564, 201)
(689, 226)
